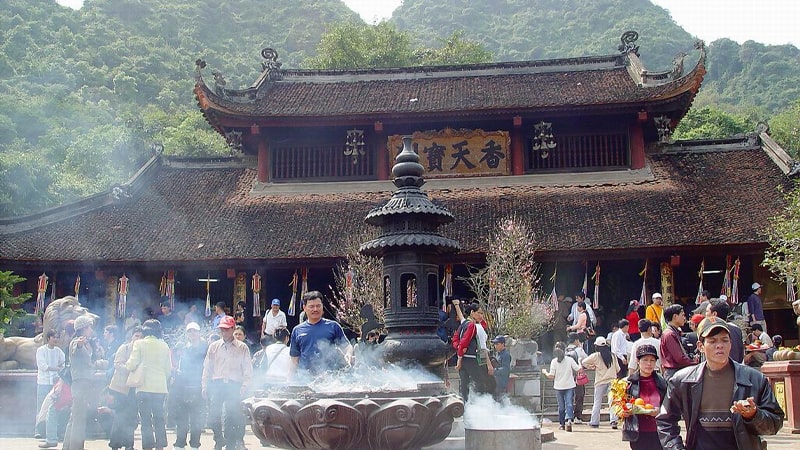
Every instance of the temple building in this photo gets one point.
(579, 148)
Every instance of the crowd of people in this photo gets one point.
(189, 375)
(702, 371)
(198, 381)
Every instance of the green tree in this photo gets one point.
(785, 129)
(711, 122)
(782, 256)
(9, 303)
(454, 49)
(356, 45)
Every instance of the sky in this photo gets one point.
(767, 21)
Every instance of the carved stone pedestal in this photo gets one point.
(784, 376)
(365, 421)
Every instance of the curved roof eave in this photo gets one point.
(214, 108)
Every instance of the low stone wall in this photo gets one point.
(524, 388)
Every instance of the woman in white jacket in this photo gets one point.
(605, 368)
(562, 372)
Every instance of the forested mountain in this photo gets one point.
(516, 30)
(751, 75)
(85, 93)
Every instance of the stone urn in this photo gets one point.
(389, 420)
(524, 354)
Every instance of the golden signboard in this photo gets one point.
(667, 284)
(780, 394)
(458, 153)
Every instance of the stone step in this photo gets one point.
(552, 415)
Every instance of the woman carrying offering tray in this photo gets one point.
(638, 399)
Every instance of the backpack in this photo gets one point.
(456, 339)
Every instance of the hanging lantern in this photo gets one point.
(293, 300)
(170, 289)
(208, 295)
(596, 279)
(448, 285)
(700, 288)
(256, 285)
(40, 294)
(123, 296)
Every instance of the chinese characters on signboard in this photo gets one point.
(451, 153)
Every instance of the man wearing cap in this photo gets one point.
(502, 370)
(755, 310)
(673, 354)
(273, 319)
(82, 354)
(227, 371)
(689, 340)
(188, 358)
(760, 342)
(723, 403)
(318, 344)
(655, 310)
(720, 308)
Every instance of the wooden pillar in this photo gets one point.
(263, 162)
(517, 148)
(637, 146)
(382, 156)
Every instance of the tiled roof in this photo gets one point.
(481, 89)
(693, 199)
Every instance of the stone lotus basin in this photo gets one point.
(297, 417)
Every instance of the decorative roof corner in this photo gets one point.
(788, 165)
(646, 78)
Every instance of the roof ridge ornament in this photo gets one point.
(407, 170)
(219, 83)
(200, 64)
(677, 65)
(628, 39)
(271, 66)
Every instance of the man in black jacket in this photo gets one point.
(724, 404)
(718, 307)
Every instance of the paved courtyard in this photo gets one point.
(582, 437)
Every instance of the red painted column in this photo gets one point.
(637, 146)
(263, 161)
(382, 156)
(517, 148)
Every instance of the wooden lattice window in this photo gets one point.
(320, 163)
(583, 151)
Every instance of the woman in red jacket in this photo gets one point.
(633, 319)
